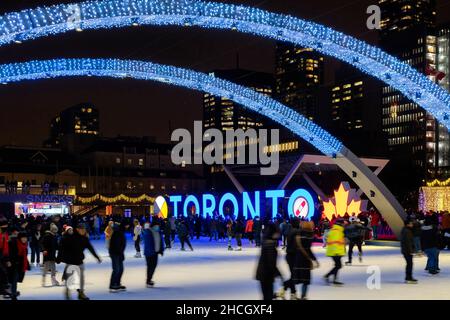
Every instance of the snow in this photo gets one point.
(211, 272)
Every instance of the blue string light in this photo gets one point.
(249, 98)
(33, 23)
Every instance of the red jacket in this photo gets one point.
(249, 226)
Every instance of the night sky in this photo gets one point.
(130, 107)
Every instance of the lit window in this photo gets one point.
(118, 160)
(83, 184)
(141, 162)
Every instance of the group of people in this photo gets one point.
(64, 241)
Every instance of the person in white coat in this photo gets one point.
(137, 238)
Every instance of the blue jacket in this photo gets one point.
(149, 242)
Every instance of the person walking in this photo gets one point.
(285, 228)
(407, 249)
(213, 226)
(267, 269)
(257, 228)
(49, 248)
(35, 245)
(117, 247)
(137, 238)
(336, 250)
(71, 252)
(430, 245)
(18, 261)
(153, 246)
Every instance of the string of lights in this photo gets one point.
(437, 183)
(120, 197)
(116, 68)
(33, 23)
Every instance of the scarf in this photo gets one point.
(22, 249)
(4, 238)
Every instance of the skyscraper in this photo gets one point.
(298, 73)
(408, 32)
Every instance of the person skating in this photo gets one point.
(183, 234)
(285, 229)
(71, 252)
(230, 225)
(249, 229)
(4, 253)
(430, 245)
(18, 261)
(336, 250)
(407, 248)
(257, 228)
(153, 245)
(167, 230)
(35, 245)
(306, 260)
(49, 248)
(117, 247)
(137, 238)
(267, 270)
(239, 229)
(354, 232)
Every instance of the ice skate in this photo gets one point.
(150, 284)
(360, 257)
(238, 249)
(337, 283)
(281, 294)
(55, 282)
(138, 255)
(122, 288)
(411, 281)
(82, 296)
(348, 263)
(230, 248)
(294, 296)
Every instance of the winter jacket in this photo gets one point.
(151, 238)
(267, 269)
(17, 262)
(239, 227)
(49, 246)
(137, 232)
(71, 249)
(430, 237)
(304, 259)
(257, 226)
(291, 245)
(118, 242)
(446, 221)
(182, 230)
(336, 241)
(407, 241)
(355, 232)
(249, 226)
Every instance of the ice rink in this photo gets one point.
(212, 272)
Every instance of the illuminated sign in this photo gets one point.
(300, 203)
(345, 200)
(160, 207)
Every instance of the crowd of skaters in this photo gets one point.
(63, 239)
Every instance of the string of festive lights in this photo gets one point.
(438, 183)
(249, 98)
(120, 197)
(33, 23)
(434, 199)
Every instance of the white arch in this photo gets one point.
(312, 133)
(34, 23)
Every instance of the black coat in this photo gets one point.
(430, 237)
(304, 259)
(267, 269)
(49, 244)
(71, 249)
(407, 241)
(118, 243)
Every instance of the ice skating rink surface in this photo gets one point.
(211, 272)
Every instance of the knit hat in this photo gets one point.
(67, 228)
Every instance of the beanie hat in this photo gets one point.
(53, 228)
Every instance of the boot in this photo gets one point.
(360, 257)
(81, 295)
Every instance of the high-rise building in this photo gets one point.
(298, 73)
(408, 32)
(73, 127)
(224, 114)
(443, 73)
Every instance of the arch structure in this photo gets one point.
(43, 21)
(298, 124)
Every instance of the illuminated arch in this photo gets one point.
(306, 129)
(34, 23)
